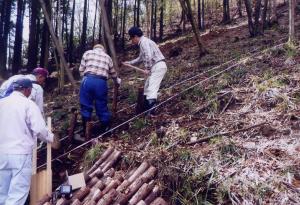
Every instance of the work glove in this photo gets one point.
(118, 81)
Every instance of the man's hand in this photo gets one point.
(56, 143)
(126, 62)
(118, 81)
(147, 72)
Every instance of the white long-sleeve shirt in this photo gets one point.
(37, 92)
(21, 123)
(149, 53)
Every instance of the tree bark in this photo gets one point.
(94, 25)
(226, 12)
(249, 15)
(203, 15)
(292, 4)
(33, 36)
(264, 14)
(45, 38)
(186, 6)
(138, 13)
(124, 24)
(161, 20)
(239, 7)
(4, 31)
(84, 28)
(256, 17)
(17, 58)
(71, 40)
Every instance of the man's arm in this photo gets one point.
(137, 60)
(145, 47)
(82, 64)
(37, 124)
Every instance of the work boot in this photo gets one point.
(88, 130)
(104, 127)
(150, 104)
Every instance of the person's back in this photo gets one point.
(15, 136)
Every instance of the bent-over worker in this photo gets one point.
(37, 77)
(21, 123)
(154, 62)
(96, 66)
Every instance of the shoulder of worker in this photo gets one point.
(11, 80)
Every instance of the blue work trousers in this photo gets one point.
(94, 90)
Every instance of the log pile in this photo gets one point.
(107, 186)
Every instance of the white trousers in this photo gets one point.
(152, 83)
(15, 178)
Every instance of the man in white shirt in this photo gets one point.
(154, 62)
(21, 123)
(38, 78)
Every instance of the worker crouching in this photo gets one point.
(96, 67)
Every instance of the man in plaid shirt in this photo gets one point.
(154, 62)
(96, 66)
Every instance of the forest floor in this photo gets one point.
(236, 165)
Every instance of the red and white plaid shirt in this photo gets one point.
(97, 62)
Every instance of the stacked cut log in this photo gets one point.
(106, 186)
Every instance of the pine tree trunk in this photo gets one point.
(94, 25)
(17, 58)
(84, 28)
(71, 39)
(45, 39)
(292, 4)
(199, 14)
(134, 12)
(124, 24)
(256, 17)
(264, 15)
(4, 32)
(249, 14)
(203, 15)
(155, 21)
(33, 36)
(138, 13)
(161, 20)
(239, 7)
(226, 12)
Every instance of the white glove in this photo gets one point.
(119, 81)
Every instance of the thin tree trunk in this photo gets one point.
(95, 19)
(249, 14)
(17, 58)
(161, 20)
(264, 15)
(155, 21)
(292, 4)
(239, 7)
(203, 15)
(199, 13)
(186, 6)
(226, 12)
(138, 13)
(57, 44)
(45, 39)
(134, 12)
(84, 28)
(71, 43)
(124, 24)
(148, 22)
(33, 36)
(256, 17)
(5, 27)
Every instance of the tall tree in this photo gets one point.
(138, 13)
(17, 57)
(33, 42)
(124, 23)
(239, 7)
(45, 38)
(226, 12)
(84, 28)
(71, 39)
(186, 6)
(4, 32)
(94, 25)
(161, 20)
(292, 4)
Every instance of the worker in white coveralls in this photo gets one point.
(38, 78)
(154, 62)
(21, 123)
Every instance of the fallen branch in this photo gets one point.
(205, 139)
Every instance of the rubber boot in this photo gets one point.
(88, 130)
(150, 104)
